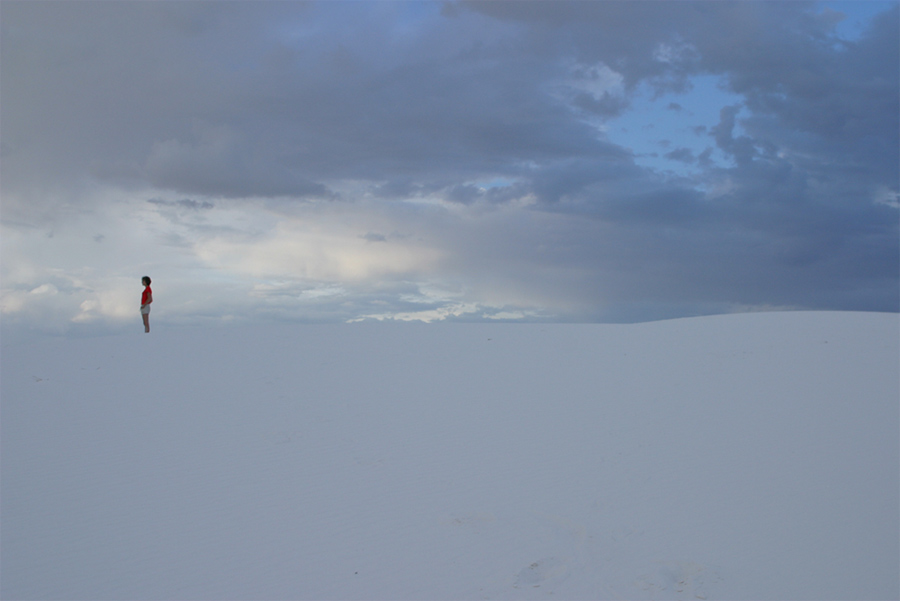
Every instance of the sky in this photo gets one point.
(470, 161)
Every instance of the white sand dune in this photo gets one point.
(750, 456)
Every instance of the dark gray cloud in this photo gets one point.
(818, 137)
(487, 106)
(685, 155)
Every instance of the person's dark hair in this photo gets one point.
(145, 280)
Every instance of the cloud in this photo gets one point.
(220, 164)
(374, 237)
(185, 203)
(684, 155)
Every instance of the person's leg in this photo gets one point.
(146, 317)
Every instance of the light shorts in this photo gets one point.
(145, 309)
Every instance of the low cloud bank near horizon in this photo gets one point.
(564, 161)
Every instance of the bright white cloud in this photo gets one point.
(312, 251)
(428, 316)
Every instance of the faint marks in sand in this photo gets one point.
(683, 580)
(369, 461)
(286, 436)
(549, 571)
(470, 521)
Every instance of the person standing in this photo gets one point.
(146, 299)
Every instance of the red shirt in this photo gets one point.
(146, 295)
